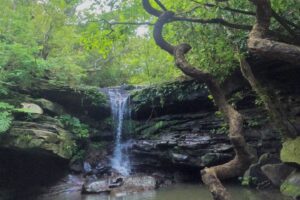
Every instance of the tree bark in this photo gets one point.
(260, 44)
(236, 167)
(278, 115)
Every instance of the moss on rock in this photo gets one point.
(290, 151)
(291, 186)
(47, 138)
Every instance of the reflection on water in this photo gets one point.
(69, 188)
(176, 192)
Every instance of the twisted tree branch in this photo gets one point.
(258, 41)
(151, 10)
(211, 176)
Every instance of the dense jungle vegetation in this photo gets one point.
(143, 42)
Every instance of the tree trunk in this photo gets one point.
(276, 112)
(236, 167)
(259, 43)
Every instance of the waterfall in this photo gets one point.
(119, 107)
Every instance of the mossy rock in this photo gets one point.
(170, 98)
(291, 186)
(290, 151)
(45, 138)
(79, 100)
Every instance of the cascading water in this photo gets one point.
(119, 107)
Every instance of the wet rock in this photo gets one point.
(179, 157)
(191, 150)
(136, 183)
(98, 186)
(87, 168)
(254, 175)
(277, 173)
(76, 166)
(268, 158)
(210, 159)
(117, 184)
(291, 186)
(101, 169)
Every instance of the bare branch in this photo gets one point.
(150, 9)
(214, 21)
(161, 5)
(225, 8)
(283, 22)
(123, 23)
(157, 32)
(132, 23)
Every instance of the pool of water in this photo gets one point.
(69, 188)
(175, 192)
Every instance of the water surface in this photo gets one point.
(175, 192)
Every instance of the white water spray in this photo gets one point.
(118, 102)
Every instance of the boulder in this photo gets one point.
(41, 137)
(50, 107)
(87, 168)
(98, 186)
(120, 185)
(76, 166)
(32, 108)
(290, 151)
(277, 173)
(135, 183)
(81, 101)
(254, 175)
(291, 186)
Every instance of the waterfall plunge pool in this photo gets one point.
(174, 192)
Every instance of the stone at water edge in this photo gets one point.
(290, 151)
(136, 183)
(99, 186)
(277, 173)
(291, 186)
(120, 185)
(254, 175)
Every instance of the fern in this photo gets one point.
(5, 121)
(5, 106)
(5, 116)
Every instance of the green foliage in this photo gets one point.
(159, 94)
(98, 145)
(79, 155)
(73, 124)
(34, 43)
(290, 151)
(93, 94)
(50, 40)
(5, 121)
(290, 187)
(5, 116)
(248, 180)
